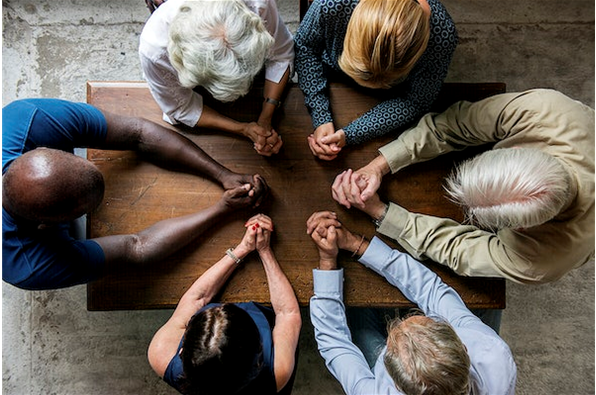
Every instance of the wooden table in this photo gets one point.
(139, 194)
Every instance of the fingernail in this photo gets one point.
(254, 227)
(257, 225)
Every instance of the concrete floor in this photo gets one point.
(53, 345)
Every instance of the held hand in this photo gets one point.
(263, 226)
(266, 140)
(233, 180)
(368, 180)
(347, 190)
(258, 186)
(259, 190)
(336, 141)
(322, 228)
(328, 248)
(237, 198)
(249, 241)
(343, 191)
(322, 219)
(330, 150)
(273, 144)
(321, 222)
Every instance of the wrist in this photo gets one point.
(231, 252)
(241, 251)
(380, 166)
(265, 252)
(327, 264)
(271, 102)
(379, 214)
(356, 250)
(224, 175)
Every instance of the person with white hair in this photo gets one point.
(529, 202)
(446, 350)
(219, 47)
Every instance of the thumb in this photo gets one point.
(367, 193)
(331, 139)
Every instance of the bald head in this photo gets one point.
(48, 185)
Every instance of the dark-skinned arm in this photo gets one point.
(168, 236)
(171, 150)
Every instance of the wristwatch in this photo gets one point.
(275, 102)
(378, 221)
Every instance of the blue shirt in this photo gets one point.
(264, 383)
(319, 42)
(492, 370)
(48, 258)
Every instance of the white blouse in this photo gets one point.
(183, 105)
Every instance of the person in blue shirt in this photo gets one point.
(45, 187)
(448, 350)
(232, 348)
(399, 49)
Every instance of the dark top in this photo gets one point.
(319, 43)
(264, 383)
(49, 258)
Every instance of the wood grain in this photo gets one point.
(139, 194)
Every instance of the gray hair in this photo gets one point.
(426, 357)
(510, 188)
(219, 45)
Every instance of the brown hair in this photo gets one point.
(427, 357)
(221, 352)
(383, 42)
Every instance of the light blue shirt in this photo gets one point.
(492, 369)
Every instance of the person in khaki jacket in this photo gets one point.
(529, 201)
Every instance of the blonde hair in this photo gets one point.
(510, 188)
(219, 45)
(426, 357)
(383, 42)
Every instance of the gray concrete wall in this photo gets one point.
(52, 345)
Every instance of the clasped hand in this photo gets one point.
(357, 188)
(326, 143)
(330, 236)
(258, 234)
(266, 140)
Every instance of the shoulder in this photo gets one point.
(337, 8)
(491, 363)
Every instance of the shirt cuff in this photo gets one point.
(329, 283)
(377, 251)
(396, 155)
(394, 222)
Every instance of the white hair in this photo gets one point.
(510, 188)
(219, 45)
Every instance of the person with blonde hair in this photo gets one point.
(529, 202)
(447, 350)
(218, 46)
(400, 48)
(232, 348)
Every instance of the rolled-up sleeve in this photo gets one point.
(281, 56)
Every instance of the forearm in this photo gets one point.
(273, 91)
(212, 280)
(283, 299)
(211, 119)
(161, 239)
(417, 282)
(467, 250)
(161, 146)
(171, 149)
(327, 312)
